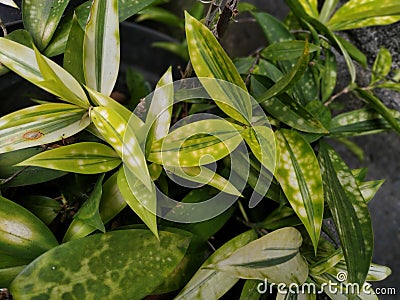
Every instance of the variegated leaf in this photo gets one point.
(113, 127)
(139, 198)
(382, 64)
(101, 53)
(362, 13)
(375, 273)
(84, 158)
(23, 61)
(210, 60)
(158, 118)
(212, 284)
(204, 175)
(368, 189)
(197, 143)
(41, 18)
(299, 174)
(9, 3)
(41, 124)
(310, 7)
(350, 213)
(275, 257)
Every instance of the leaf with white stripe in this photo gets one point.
(42, 72)
(40, 124)
(101, 53)
(300, 177)
(9, 3)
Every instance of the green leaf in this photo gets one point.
(161, 15)
(42, 72)
(13, 176)
(382, 65)
(212, 284)
(204, 175)
(114, 129)
(287, 50)
(45, 208)
(124, 264)
(379, 107)
(137, 85)
(41, 19)
(7, 275)
(282, 216)
(325, 264)
(9, 3)
(111, 204)
(275, 257)
(300, 178)
(250, 291)
(73, 56)
(279, 32)
(101, 46)
(349, 211)
(40, 124)
(197, 143)
(83, 158)
(290, 78)
(89, 212)
(328, 8)
(360, 122)
(287, 110)
(329, 75)
(210, 60)
(353, 51)
(58, 43)
(135, 195)
(126, 9)
(22, 234)
(359, 13)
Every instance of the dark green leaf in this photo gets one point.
(45, 208)
(349, 211)
(287, 50)
(41, 19)
(124, 264)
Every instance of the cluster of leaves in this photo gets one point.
(126, 157)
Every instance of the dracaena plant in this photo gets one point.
(263, 118)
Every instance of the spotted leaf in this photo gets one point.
(113, 127)
(361, 13)
(83, 158)
(382, 64)
(139, 198)
(310, 7)
(360, 122)
(350, 213)
(286, 50)
(204, 175)
(197, 143)
(300, 178)
(41, 124)
(101, 53)
(275, 256)
(41, 19)
(23, 236)
(122, 264)
(212, 284)
(210, 60)
(329, 75)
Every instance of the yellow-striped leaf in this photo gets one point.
(84, 158)
(41, 124)
(210, 60)
(299, 174)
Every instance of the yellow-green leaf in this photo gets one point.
(84, 158)
(40, 124)
(210, 60)
(299, 174)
